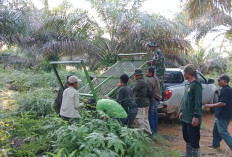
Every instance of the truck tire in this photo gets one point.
(175, 115)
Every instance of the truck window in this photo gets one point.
(201, 79)
(173, 77)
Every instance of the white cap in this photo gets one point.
(73, 79)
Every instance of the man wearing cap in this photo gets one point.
(191, 112)
(157, 62)
(140, 89)
(223, 113)
(58, 100)
(70, 102)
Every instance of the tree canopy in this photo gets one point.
(67, 31)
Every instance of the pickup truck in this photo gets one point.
(174, 83)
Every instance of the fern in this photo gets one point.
(116, 143)
(60, 153)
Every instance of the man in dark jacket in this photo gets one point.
(127, 100)
(140, 89)
(191, 112)
(58, 100)
(223, 113)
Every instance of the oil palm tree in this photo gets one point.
(130, 30)
(48, 32)
(206, 15)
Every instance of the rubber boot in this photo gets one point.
(188, 151)
(196, 152)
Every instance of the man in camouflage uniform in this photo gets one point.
(157, 62)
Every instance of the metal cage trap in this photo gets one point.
(106, 83)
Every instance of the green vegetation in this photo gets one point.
(30, 38)
(34, 129)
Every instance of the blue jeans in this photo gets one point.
(153, 117)
(220, 131)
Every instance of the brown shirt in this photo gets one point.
(154, 86)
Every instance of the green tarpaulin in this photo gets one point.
(111, 108)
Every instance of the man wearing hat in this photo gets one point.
(70, 102)
(157, 62)
(140, 90)
(223, 113)
(191, 112)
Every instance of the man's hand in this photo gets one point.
(195, 122)
(180, 116)
(106, 97)
(207, 106)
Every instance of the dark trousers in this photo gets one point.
(130, 118)
(191, 134)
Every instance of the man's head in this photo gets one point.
(73, 81)
(153, 45)
(124, 79)
(68, 77)
(223, 80)
(138, 74)
(150, 72)
(190, 71)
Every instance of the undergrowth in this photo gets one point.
(36, 130)
(27, 80)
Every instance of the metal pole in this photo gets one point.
(58, 77)
(89, 81)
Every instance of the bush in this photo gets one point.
(101, 137)
(27, 80)
(36, 102)
(27, 135)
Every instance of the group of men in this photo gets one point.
(141, 99)
(137, 102)
(140, 102)
(191, 113)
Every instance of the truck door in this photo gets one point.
(206, 89)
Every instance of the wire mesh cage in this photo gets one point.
(107, 82)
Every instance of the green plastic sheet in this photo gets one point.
(111, 108)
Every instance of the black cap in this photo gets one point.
(138, 72)
(224, 77)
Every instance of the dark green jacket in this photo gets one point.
(192, 103)
(140, 92)
(126, 98)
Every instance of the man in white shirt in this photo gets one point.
(70, 102)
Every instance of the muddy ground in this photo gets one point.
(171, 131)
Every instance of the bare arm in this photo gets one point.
(220, 104)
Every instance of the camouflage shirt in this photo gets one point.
(158, 62)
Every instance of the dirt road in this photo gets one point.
(173, 133)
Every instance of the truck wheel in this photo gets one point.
(175, 115)
(215, 100)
